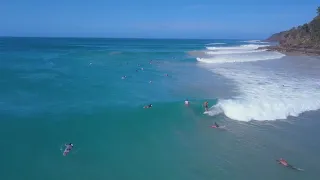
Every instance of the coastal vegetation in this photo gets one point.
(305, 37)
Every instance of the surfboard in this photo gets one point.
(220, 127)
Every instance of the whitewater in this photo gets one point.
(266, 88)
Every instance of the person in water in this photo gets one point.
(217, 125)
(68, 148)
(205, 104)
(186, 102)
(285, 163)
(148, 106)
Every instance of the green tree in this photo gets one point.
(318, 11)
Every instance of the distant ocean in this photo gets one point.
(91, 92)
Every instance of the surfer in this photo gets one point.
(148, 106)
(186, 102)
(205, 104)
(285, 163)
(68, 148)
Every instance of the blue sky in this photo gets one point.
(153, 19)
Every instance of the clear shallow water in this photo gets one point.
(55, 91)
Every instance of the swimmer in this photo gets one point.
(205, 104)
(186, 102)
(150, 82)
(68, 148)
(166, 75)
(123, 77)
(148, 106)
(285, 163)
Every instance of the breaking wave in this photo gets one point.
(262, 94)
(267, 96)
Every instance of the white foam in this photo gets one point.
(241, 57)
(241, 47)
(266, 96)
(240, 53)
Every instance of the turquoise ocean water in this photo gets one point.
(59, 90)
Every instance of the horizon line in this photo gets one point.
(155, 38)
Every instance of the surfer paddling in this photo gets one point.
(67, 149)
(148, 106)
(285, 163)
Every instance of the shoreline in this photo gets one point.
(293, 51)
